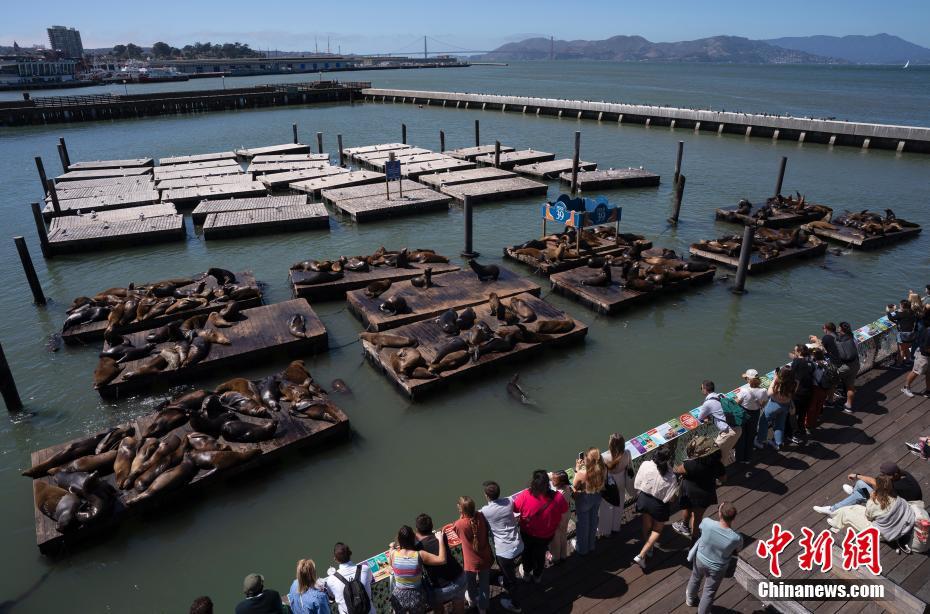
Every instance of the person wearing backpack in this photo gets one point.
(840, 347)
(905, 319)
(825, 379)
(752, 399)
(712, 409)
(781, 391)
(921, 358)
(349, 585)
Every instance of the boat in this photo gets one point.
(906, 64)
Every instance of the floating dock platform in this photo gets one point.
(281, 180)
(204, 157)
(119, 200)
(613, 178)
(206, 207)
(417, 169)
(780, 219)
(353, 280)
(553, 168)
(257, 169)
(470, 153)
(850, 237)
(193, 169)
(545, 268)
(352, 152)
(247, 153)
(379, 206)
(511, 159)
(495, 189)
(105, 231)
(369, 190)
(65, 191)
(759, 265)
(344, 179)
(101, 173)
(110, 164)
(134, 181)
(190, 197)
(264, 220)
(196, 182)
(485, 173)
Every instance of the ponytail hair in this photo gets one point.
(661, 459)
(467, 510)
(845, 328)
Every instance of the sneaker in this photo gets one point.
(796, 440)
(822, 509)
(847, 409)
(925, 393)
(691, 602)
(913, 447)
(847, 489)
(640, 561)
(681, 528)
(509, 605)
(907, 392)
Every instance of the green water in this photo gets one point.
(633, 370)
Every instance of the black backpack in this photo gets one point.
(846, 349)
(826, 375)
(354, 593)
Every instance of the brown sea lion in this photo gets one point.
(480, 333)
(494, 304)
(122, 465)
(214, 460)
(144, 453)
(203, 442)
(495, 344)
(156, 364)
(422, 373)
(47, 496)
(249, 432)
(106, 372)
(394, 305)
(174, 478)
(199, 349)
(172, 357)
(165, 421)
(244, 404)
(490, 272)
(451, 361)
(340, 386)
(217, 321)
(161, 463)
(73, 450)
(112, 438)
(466, 318)
(296, 372)
(410, 358)
(551, 327)
(387, 340)
(188, 402)
(101, 463)
(230, 311)
(136, 353)
(78, 482)
(454, 344)
(171, 330)
(214, 336)
(447, 321)
(523, 309)
(240, 385)
(297, 326)
(241, 293)
(58, 504)
(532, 252)
(96, 504)
(377, 288)
(425, 280)
(314, 409)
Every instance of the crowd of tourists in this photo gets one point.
(509, 541)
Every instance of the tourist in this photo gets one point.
(558, 546)
(752, 399)
(446, 581)
(712, 410)
(338, 580)
(617, 461)
(258, 599)
(541, 510)
(825, 378)
(710, 557)
(202, 605)
(921, 359)
(657, 486)
(472, 530)
(902, 482)
(408, 595)
(590, 478)
(507, 542)
(775, 413)
(840, 347)
(305, 597)
(884, 510)
(698, 484)
(905, 319)
(803, 370)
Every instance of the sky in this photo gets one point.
(386, 26)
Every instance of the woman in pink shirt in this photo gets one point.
(540, 510)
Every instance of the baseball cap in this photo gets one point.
(751, 374)
(889, 468)
(253, 583)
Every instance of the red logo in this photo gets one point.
(859, 549)
(771, 548)
(817, 550)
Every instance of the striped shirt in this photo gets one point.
(407, 570)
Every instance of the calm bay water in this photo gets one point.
(633, 370)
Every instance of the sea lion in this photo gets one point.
(85, 315)
(217, 321)
(184, 304)
(204, 443)
(495, 344)
(400, 260)
(695, 266)
(340, 386)
(58, 504)
(450, 361)
(156, 364)
(466, 319)
(249, 432)
(244, 404)
(135, 353)
(165, 421)
(387, 340)
(240, 385)
(320, 277)
(214, 460)
(230, 311)
(297, 326)
(174, 478)
(188, 402)
(517, 393)
(551, 327)
(241, 293)
(454, 344)
(600, 280)
(428, 256)
(158, 309)
(536, 244)
(394, 305)
(357, 265)
(193, 323)
(106, 372)
(425, 280)
(422, 373)
(522, 309)
(129, 311)
(183, 348)
(169, 331)
(269, 393)
(222, 276)
(410, 358)
(78, 482)
(144, 452)
(172, 358)
(125, 454)
(479, 334)
(296, 372)
(113, 437)
(488, 272)
(314, 409)
(447, 322)
(97, 504)
(211, 422)
(377, 288)
(494, 304)
(199, 349)
(162, 463)
(101, 463)
(531, 252)
(117, 348)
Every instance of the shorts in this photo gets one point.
(647, 504)
(905, 337)
(848, 372)
(450, 591)
(920, 363)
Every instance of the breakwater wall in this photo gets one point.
(778, 127)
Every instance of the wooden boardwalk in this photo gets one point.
(485, 173)
(261, 333)
(372, 158)
(449, 291)
(247, 153)
(190, 197)
(779, 219)
(204, 157)
(187, 173)
(283, 179)
(99, 233)
(369, 190)
(429, 156)
(118, 200)
(511, 159)
(377, 207)
(342, 179)
(206, 207)
(417, 169)
(495, 189)
(613, 178)
(352, 280)
(430, 337)
(249, 222)
(272, 158)
(553, 168)
(470, 153)
(293, 433)
(855, 239)
(352, 152)
(757, 264)
(611, 299)
(110, 164)
(101, 173)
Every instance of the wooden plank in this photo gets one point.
(485, 173)
(127, 182)
(613, 178)
(120, 200)
(757, 264)
(384, 154)
(353, 280)
(261, 333)
(65, 193)
(293, 433)
(206, 207)
(194, 182)
(110, 164)
(104, 235)
(93, 331)
(513, 158)
(249, 222)
(470, 153)
(276, 181)
(169, 172)
(430, 337)
(496, 190)
(264, 168)
(313, 187)
(271, 158)
(416, 169)
(370, 189)
(451, 291)
(113, 215)
(855, 239)
(189, 197)
(204, 157)
(104, 173)
(351, 152)
(185, 173)
(379, 164)
(247, 153)
(377, 207)
(553, 168)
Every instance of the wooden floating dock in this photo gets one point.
(249, 222)
(98, 233)
(206, 207)
(431, 337)
(369, 190)
(756, 263)
(196, 182)
(611, 299)
(553, 168)
(293, 433)
(368, 158)
(780, 219)
(417, 169)
(352, 152)
(850, 237)
(613, 178)
(313, 187)
(261, 333)
(204, 157)
(264, 168)
(114, 215)
(187, 173)
(496, 189)
(66, 193)
(353, 280)
(473, 175)
(604, 247)
(135, 181)
(119, 200)
(379, 164)
(110, 164)
(306, 157)
(277, 181)
(164, 172)
(379, 206)
(450, 291)
(188, 197)
(470, 153)
(103, 173)
(93, 331)
(247, 153)
(514, 158)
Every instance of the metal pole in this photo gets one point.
(319, 142)
(681, 150)
(342, 158)
(8, 386)
(469, 252)
(64, 158)
(576, 157)
(679, 192)
(294, 128)
(53, 192)
(745, 253)
(42, 177)
(403, 133)
(442, 141)
(33, 279)
(497, 154)
(477, 133)
(63, 152)
(40, 228)
(387, 182)
(781, 174)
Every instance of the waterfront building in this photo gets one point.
(67, 41)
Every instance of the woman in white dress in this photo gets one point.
(617, 458)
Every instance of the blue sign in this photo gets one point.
(392, 169)
(581, 211)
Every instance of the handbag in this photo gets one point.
(611, 493)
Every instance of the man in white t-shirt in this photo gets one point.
(335, 587)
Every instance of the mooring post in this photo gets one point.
(477, 133)
(745, 253)
(294, 128)
(319, 142)
(33, 279)
(681, 150)
(403, 133)
(468, 252)
(53, 192)
(679, 192)
(42, 177)
(342, 156)
(40, 228)
(442, 141)
(576, 157)
(63, 152)
(497, 154)
(8, 386)
(781, 174)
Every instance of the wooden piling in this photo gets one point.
(497, 154)
(781, 175)
(477, 133)
(42, 177)
(575, 158)
(63, 156)
(40, 228)
(745, 253)
(469, 251)
(679, 191)
(681, 151)
(342, 156)
(442, 141)
(8, 386)
(403, 133)
(33, 279)
(319, 142)
(294, 128)
(53, 192)
(63, 151)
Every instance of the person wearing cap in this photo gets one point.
(712, 409)
(699, 475)
(752, 398)
(258, 599)
(902, 482)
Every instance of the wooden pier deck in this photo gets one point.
(196, 182)
(187, 173)
(93, 331)
(314, 187)
(293, 433)
(94, 234)
(264, 168)
(366, 159)
(66, 192)
(190, 197)
(485, 173)
(779, 219)
(430, 337)
(353, 280)
(756, 263)
(553, 168)
(855, 239)
(110, 164)
(118, 200)
(262, 332)
(206, 207)
(249, 222)
(496, 189)
(430, 156)
(470, 153)
(613, 178)
(281, 180)
(352, 152)
(545, 268)
(370, 189)
(609, 300)
(416, 169)
(247, 153)
(450, 291)
(305, 157)
(379, 206)
(171, 171)
(104, 173)
(511, 159)
(204, 157)
(114, 215)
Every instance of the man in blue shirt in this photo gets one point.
(712, 409)
(711, 556)
(508, 544)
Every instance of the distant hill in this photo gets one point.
(876, 49)
(724, 49)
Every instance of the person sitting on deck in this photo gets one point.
(258, 600)
(712, 408)
(902, 482)
(921, 358)
(337, 580)
(710, 557)
(884, 510)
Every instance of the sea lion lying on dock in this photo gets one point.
(488, 272)
(394, 305)
(377, 288)
(387, 340)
